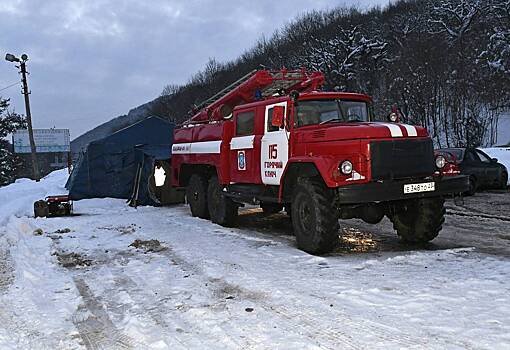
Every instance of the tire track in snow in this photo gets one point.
(294, 321)
(140, 297)
(355, 325)
(144, 304)
(6, 270)
(365, 328)
(477, 214)
(323, 330)
(25, 335)
(155, 311)
(219, 289)
(91, 319)
(95, 326)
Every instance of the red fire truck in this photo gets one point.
(274, 139)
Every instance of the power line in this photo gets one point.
(9, 86)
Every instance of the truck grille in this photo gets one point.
(398, 159)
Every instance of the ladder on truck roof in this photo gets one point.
(282, 81)
(257, 84)
(226, 90)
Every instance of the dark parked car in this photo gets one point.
(483, 171)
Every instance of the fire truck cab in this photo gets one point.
(273, 139)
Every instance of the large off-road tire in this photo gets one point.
(473, 186)
(314, 217)
(271, 208)
(223, 210)
(196, 194)
(418, 220)
(503, 182)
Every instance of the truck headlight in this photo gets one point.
(440, 162)
(346, 167)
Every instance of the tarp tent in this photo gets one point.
(122, 165)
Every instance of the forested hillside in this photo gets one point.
(445, 63)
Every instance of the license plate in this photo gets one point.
(421, 187)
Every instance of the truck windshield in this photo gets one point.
(311, 112)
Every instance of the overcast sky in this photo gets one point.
(92, 60)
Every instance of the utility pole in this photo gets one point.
(26, 92)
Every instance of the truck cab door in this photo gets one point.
(274, 152)
(243, 163)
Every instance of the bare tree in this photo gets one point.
(446, 63)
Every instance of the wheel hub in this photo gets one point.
(305, 215)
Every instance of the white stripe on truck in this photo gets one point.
(197, 147)
(411, 130)
(394, 129)
(242, 142)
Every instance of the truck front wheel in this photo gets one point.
(418, 220)
(222, 209)
(196, 194)
(314, 217)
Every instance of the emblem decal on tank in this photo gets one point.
(241, 160)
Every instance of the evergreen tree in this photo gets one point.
(9, 162)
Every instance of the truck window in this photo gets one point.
(269, 119)
(245, 123)
(311, 112)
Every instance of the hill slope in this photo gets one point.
(134, 115)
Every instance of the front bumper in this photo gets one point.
(393, 190)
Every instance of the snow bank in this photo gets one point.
(18, 198)
(43, 295)
(502, 154)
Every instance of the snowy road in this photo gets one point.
(86, 282)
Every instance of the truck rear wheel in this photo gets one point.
(418, 220)
(222, 209)
(196, 194)
(314, 218)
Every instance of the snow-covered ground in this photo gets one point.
(85, 282)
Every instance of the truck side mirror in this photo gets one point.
(278, 115)
(394, 116)
(294, 95)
